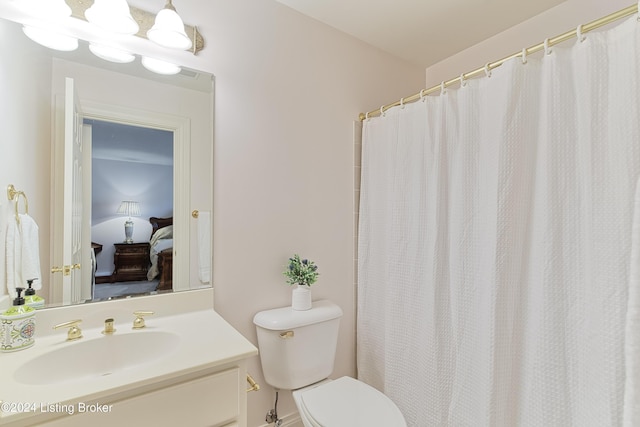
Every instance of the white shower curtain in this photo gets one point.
(494, 242)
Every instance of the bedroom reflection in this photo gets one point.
(131, 164)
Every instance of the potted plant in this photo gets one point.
(302, 273)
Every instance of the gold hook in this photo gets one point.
(11, 192)
(13, 195)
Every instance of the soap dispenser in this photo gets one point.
(30, 297)
(18, 325)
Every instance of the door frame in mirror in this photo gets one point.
(181, 128)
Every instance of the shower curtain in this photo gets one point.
(495, 237)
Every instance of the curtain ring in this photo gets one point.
(442, 88)
(422, 95)
(579, 34)
(382, 113)
(402, 103)
(524, 55)
(366, 116)
(487, 70)
(547, 49)
(463, 82)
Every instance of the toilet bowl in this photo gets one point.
(297, 353)
(346, 402)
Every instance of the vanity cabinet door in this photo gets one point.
(210, 401)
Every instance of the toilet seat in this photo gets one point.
(347, 402)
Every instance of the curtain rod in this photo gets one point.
(491, 65)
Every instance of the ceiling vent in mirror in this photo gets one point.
(189, 73)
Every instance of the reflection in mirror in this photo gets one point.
(123, 106)
(131, 170)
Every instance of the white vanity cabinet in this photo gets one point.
(212, 400)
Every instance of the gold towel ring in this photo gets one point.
(14, 196)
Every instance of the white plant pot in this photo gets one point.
(301, 298)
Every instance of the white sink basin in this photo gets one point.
(97, 357)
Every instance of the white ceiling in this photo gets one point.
(126, 143)
(421, 31)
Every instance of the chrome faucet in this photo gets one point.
(74, 332)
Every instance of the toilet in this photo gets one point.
(297, 352)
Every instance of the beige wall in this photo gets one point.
(555, 21)
(287, 91)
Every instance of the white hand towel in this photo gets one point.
(10, 254)
(22, 253)
(204, 247)
(632, 331)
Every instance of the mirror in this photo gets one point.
(136, 111)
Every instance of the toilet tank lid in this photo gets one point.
(285, 318)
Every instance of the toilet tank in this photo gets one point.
(298, 348)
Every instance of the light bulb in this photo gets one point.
(111, 54)
(160, 67)
(50, 9)
(112, 15)
(51, 39)
(168, 30)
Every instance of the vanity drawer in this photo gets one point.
(210, 401)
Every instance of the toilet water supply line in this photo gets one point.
(272, 414)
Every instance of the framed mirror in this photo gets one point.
(145, 138)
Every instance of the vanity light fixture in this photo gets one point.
(111, 54)
(104, 13)
(113, 16)
(168, 30)
(160, 67)
(129, 208)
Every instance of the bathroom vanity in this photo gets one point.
(184, 368)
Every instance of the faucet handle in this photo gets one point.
(138, 322)
(74, 332)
